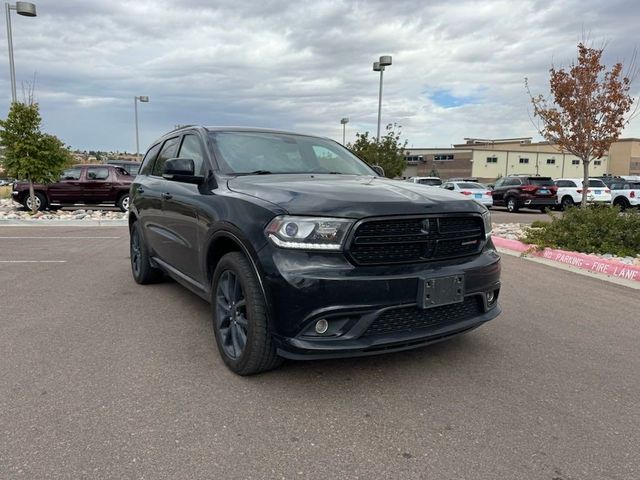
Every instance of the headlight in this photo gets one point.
(486, 217)
(308, 233)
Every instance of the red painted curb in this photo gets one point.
(578, 260)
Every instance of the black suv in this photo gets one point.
(524, 191)
(304, 251)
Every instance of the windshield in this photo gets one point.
(430, 181)
(264, 153)
(541, 182)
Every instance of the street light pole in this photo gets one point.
(145, 99)
(25, 9)
(384, 61)
(344, 122)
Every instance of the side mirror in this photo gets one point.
(378, 169)
(181, 170)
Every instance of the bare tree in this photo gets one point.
(588, 108)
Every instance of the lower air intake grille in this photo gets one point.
(408, 319)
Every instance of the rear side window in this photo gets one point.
(97, 173)
(169, 150)
(511, 182)
(147, 161)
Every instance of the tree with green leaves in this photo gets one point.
(29, 153)
(388, 152)
(587, 109)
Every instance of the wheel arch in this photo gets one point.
(227, 240)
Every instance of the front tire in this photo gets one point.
(40, 199)
(239, 314)
(566, 202)
(623, 203)
(141, 269)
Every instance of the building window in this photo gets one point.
(493, 159)
(440, 158)
(575, 162)
(524, 160)
(597, 162)
(551, 161)
(413, 159)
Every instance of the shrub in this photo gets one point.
(594, 229)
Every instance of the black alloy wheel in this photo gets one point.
(240, 320)
(231, 315)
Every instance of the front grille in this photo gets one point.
(408, 319)
(388, 241)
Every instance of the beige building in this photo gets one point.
(488, 159)
(446, 162)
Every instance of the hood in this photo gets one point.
(350, 196)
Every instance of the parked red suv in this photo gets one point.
(525, 191)
(80, 184)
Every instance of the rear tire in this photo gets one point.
(240, 321)
(41, 201)
(123, 202)
(512, 205)
(143, 272)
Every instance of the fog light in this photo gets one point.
(322, 326)
(491, 297)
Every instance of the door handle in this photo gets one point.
(167, 196)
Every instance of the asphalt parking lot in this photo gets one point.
(103, 378)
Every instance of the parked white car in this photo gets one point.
(429, 181)
(478, 192)
(570, 192)
(625, 193)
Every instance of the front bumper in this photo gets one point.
(369, 309)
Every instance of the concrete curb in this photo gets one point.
(63, 223)
(581, 261)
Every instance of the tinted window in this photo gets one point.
(541, 181)
(509, 182)
(147, 161)
(190, 148)
(246, 152)
(472, 186)
(97, 173)
(71, 174)
(596, 183)
(430, 181)
(168, 151)
(565, 184)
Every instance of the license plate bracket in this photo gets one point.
(434, 292)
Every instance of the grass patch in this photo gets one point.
(594, 229)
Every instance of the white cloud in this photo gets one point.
(302, 65)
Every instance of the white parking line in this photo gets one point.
(33, 261)
(60, 238)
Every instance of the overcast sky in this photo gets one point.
(458, 66)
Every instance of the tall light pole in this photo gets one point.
(143, 99)
(25, 9)
(344, 122)
(378, 66)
